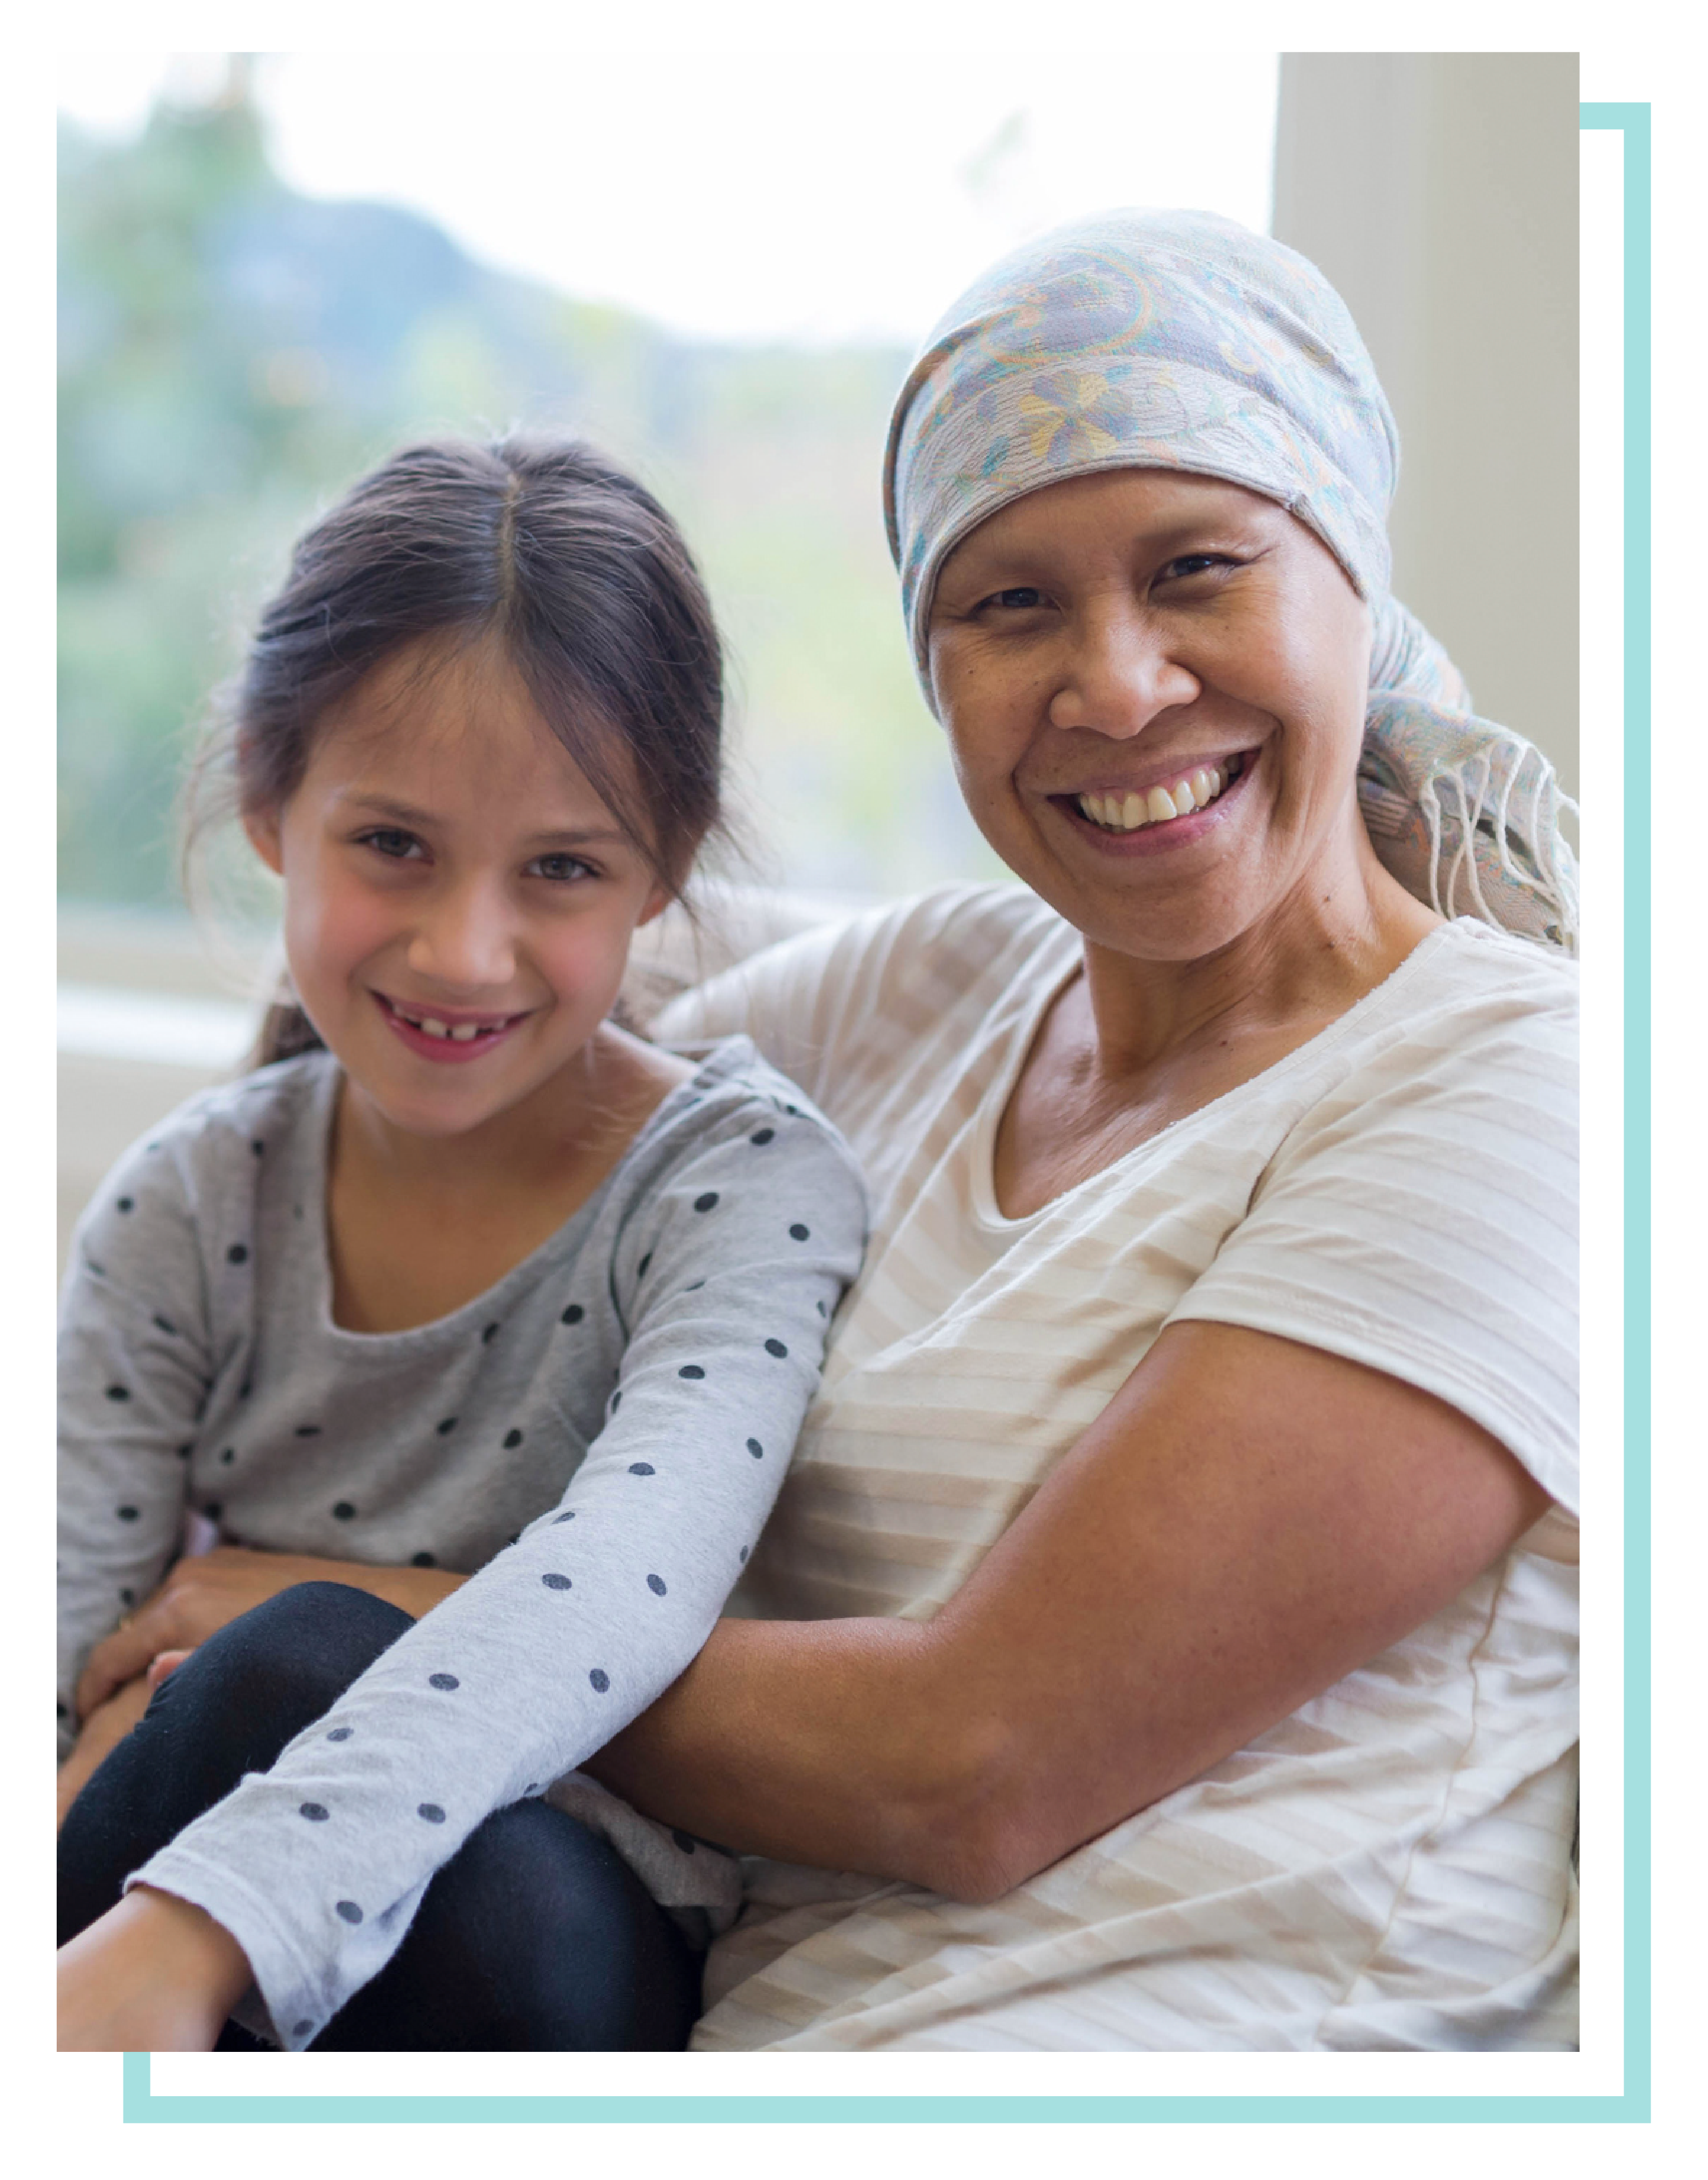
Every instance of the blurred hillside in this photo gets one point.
(233, 355)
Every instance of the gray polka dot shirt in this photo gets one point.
(598, 1440)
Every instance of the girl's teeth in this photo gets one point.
(1125, 813)
(430, 1025)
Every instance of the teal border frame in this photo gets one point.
(1664, 1924)
(1664, 585)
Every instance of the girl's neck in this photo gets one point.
(418, 1227)
(587, 1114)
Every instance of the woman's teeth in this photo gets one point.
(1125, 813)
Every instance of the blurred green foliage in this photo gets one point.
(233, 355)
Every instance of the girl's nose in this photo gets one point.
(1120, 672)
(465, 941)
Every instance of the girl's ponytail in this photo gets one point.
(285, 1031)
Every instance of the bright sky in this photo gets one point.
(737, 194)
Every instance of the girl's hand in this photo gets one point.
(200, 1594)
(105, 1728)
(168, 1661)
(152, 1974)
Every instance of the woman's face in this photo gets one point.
(1153, 686)
(458, 900)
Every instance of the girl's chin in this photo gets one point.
(443, 1104)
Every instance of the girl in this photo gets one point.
(467, 1282)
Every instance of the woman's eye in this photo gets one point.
(1196, 564)
(1021, 599)
(387, 840)
(561, 868)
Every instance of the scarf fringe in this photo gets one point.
(1466, 816)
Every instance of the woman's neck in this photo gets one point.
(1306, 964)
(1131, 1046)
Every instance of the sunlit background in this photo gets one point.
(277, 268)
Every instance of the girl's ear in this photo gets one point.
(658, 900)
(263, 827)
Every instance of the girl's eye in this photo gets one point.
(389, 841)
(561, 868)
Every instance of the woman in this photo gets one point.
(1171, 1614)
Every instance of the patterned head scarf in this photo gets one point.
(1182, 340)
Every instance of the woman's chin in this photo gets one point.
(1146, 910)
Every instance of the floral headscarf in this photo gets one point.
(1182, 340)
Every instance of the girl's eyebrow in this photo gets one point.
(384, 805)
(405, 814)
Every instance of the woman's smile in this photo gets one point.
(1159, 808)
(1153, 687)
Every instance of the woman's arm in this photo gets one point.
(1249, 1521)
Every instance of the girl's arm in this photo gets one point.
(135, 1365)
(137, 1358)
(153, 1974)
(1249, 1521)
(559, 1641)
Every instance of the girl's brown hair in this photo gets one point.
(573, 566)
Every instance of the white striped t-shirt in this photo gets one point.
(1387, 1868)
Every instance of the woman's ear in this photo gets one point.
(263, 827)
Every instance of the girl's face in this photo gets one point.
(1101, 644)
(459, 902)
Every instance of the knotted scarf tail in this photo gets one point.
(1466, 815)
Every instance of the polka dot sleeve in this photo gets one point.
(726, 1275)
(136, 1362)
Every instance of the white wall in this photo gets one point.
(1439, 192)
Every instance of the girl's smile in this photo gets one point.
(442, 1035)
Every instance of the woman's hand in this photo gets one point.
(105, 1727)
(153, 1974)
(200, 1594)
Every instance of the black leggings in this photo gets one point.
(535, 1936)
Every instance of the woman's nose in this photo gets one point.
(1120, 673)
(465, 941)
